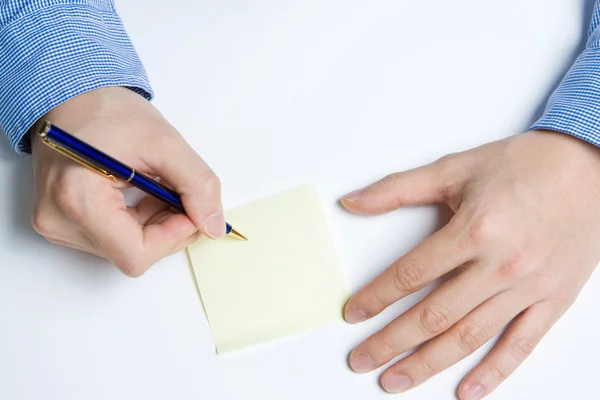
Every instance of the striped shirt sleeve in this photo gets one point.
(54, 50)
(574, 107)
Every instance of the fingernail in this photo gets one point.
(361, 363)
(396, 383)
(215, 226)
(352, 196)
(473, 392)
(355, 315)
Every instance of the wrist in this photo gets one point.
(562, 148)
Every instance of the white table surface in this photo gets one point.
(274, 94)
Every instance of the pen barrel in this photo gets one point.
(89, 153)
(150, 186)
(112, 168)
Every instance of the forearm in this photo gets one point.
(52, 51)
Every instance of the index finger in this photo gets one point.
(435, 256)
(187, 173)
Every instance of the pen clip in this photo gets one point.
(74, 156)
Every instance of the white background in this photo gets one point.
(273, 94)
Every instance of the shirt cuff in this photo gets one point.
(56, 53)
(574, 107)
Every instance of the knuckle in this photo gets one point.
(132, 268)
(408, 277)
(434, 319)
(513, 265)
(43, 223)
(390, 180)
(428, 366)
(448, 160)
(166, 137)
(386, 349)
(497, 371)
(372, 303)
(522, 347)
(483, 229)
(209, 183)
(471, 337)
(385, 344)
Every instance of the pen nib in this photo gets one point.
(234, 233)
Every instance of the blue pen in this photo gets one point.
(111, 168)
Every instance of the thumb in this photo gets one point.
(197, 184)
(424, 185)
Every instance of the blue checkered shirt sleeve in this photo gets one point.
(54, 50)
(574, 107)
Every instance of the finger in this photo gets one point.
(435, 256)
(433, 183)
(75, 246)
(466, 336)
(147, 209)
(57, 228)
(135, 249)
(132, 248)
(187, 242)
(150, 211)
(515, 346)
(200, 188)
(434, 315)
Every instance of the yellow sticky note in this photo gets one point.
(285, 279)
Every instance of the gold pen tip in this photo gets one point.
(234, 233)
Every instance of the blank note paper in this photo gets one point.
(285, 279)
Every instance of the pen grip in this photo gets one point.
(110, 167)
(150, 186)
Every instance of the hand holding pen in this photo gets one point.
(86, 211)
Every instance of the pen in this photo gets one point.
(110, 168)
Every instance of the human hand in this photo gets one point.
(77, 208)
(524, 237)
